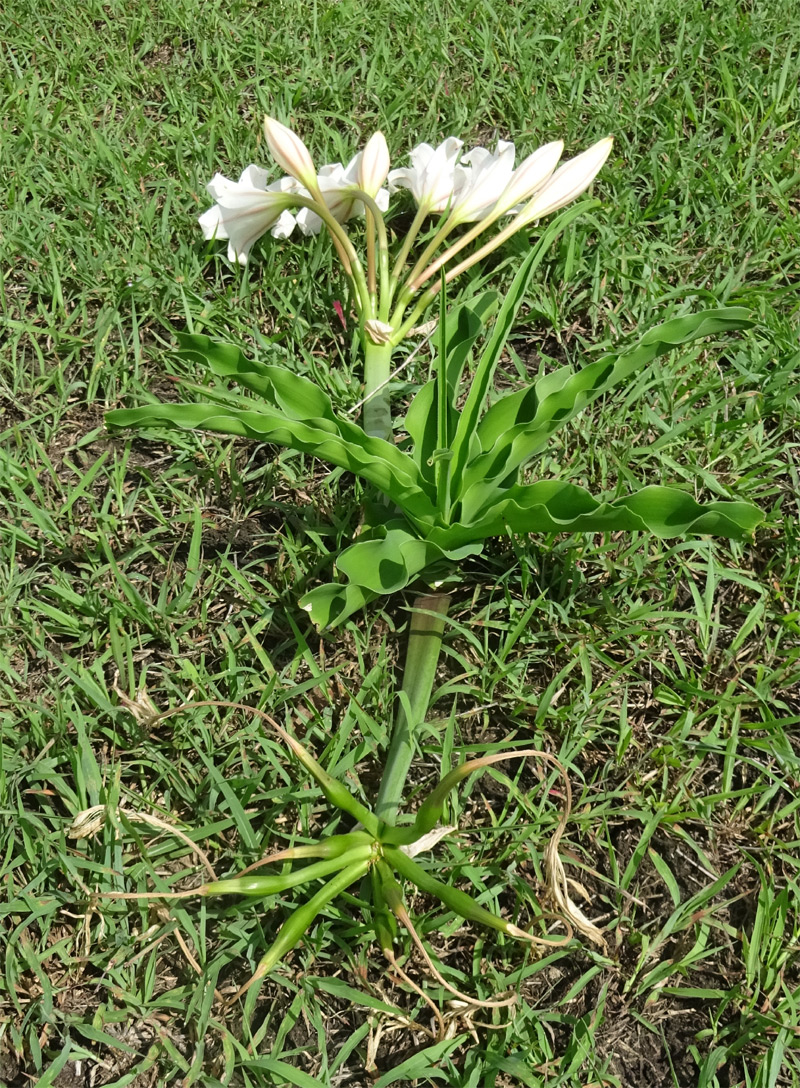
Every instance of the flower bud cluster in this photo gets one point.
(473, 186)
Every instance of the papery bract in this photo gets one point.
(379, 332)
(433, 177)
(246, 209)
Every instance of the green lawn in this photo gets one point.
(664, 675)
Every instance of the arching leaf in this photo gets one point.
(517, 426)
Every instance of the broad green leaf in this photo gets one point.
(420, 423)
(331, 604)
(288, 393)
(559, 506)
(487, 364)
(517, 426)
(464, 325)
(373, 459)
(389, 564)
(462, 328)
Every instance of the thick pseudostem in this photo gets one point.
(424, 642)
(377, 417)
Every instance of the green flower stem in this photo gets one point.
(370, 235)
(423, 302)
(464, 240)
(408, 242)
(424, 257)
(374, 211)
(424, 642)
(344, 248)
(377, 416)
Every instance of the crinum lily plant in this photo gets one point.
(455, 476)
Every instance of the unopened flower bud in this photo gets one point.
(568, 182)
(374, 165)
(290, 153)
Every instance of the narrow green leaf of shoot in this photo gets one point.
(431, 809)
(459, 902)
(336, 793)
(302, 918)
(273, 884)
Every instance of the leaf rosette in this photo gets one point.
(456, 480)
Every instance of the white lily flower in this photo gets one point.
(337, 184)
(289, 152)
(567, 183)
(530, 176)
(433, 177)
(485, 179)
(246, 209)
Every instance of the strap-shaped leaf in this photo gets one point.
(487, 364)
(225, 361)
(557, 506)
(420, 423)
(374, 460)
(288, 393)
(518, 426)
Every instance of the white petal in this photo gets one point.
(289, 151)
(489, 174)
(373, 164)
(432, 175)
(211, 223)
(245, 210)
(284, 225)
(254, 177)
(404, 177)
(219, 185)
(308, 222)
